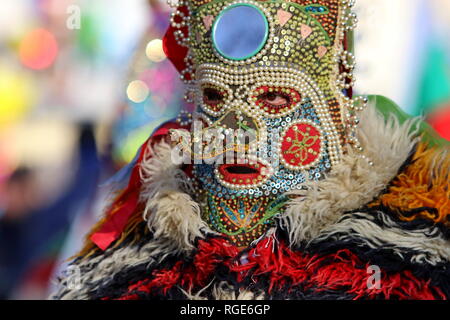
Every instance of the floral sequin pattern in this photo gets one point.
(301, 146)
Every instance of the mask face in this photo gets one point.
(266, 75)
(295, 150)
(280, 121)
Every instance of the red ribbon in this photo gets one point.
(125, 205)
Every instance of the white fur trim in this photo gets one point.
(223, 291)
(94, 272)
(426, 244)
(171, 213)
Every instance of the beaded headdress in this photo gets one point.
(282, 68)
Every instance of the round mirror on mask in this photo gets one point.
(240, 32)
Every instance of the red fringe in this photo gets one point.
(125, 205)
(342, 271)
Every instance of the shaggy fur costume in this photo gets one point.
(392, 217)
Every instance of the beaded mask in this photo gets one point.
(279, 70)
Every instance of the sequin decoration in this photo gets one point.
(242, 220)
(301, 145)
(294, 91)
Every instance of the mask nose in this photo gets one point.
(237, 120)
(240, 131)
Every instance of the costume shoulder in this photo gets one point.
(403, 226)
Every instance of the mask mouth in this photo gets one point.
(243, 175)
(241, 169)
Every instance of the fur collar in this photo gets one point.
(175, 219)
(173, 215)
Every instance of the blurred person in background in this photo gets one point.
(32, 232)
(20, 197)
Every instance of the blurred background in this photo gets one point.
(83, 83)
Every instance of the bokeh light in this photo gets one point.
(154, 51)
(39, 49)
(137, 91)
(135, 139)
(16, 95)
(440, 121)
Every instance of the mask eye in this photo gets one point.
(212, 96)
(213, 99)
(276, 101)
